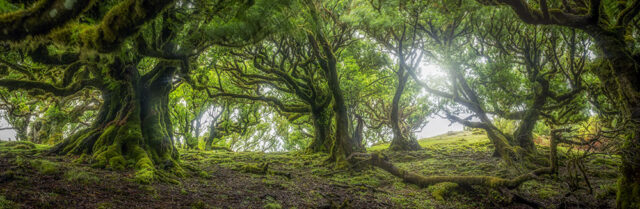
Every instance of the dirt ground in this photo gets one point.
(30, 179)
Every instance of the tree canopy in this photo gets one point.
(130, 84)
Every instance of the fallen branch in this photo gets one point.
(425, 181)
(263, 169)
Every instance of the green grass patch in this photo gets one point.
(80, 176)
(45, 167)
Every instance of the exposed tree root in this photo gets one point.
(424, 181)
(263, 169)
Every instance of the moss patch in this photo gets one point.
(442, 190)
(45, 167)
(79, 176)
(6, 204)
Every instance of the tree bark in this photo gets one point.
(623, 81)
(133, 128)
(401, 141)
(524, 133)
(322, 131)
(343, 144)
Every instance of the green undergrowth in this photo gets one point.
(6, 204)
(311, 181)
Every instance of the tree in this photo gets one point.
(393, 28)
(135, 76)
(610, 24)
(187, 110)
(325, 51)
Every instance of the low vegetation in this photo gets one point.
(220, 179)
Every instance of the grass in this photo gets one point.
(448, 139)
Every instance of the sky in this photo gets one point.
(5, 135)
(436, 126)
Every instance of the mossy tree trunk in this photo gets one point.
(620, 75)
(133, 128)
(322, 130)
(523, 135)
(343, 144)
(401, 139)
(622, 80)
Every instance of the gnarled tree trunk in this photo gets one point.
(623, 81)
(322, 131)
(133, 128)
(524, 133)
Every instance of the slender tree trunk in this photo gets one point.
(212, 136)
(358, 135)
(132, 129)
(401, 141)
(343, 145)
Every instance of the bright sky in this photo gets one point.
(5, 135)
(437, 126)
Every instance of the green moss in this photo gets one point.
(204, 174)
(442, 190)
(19, 145)
(78, 176)
(272, 205)
(21, 162)
(117, 163)
(200, 205)
(6, 204)
(44, 166)
(105, 205)
(628, 195)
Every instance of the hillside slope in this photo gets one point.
(30, 179)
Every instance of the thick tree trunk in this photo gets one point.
(524, 133)
(502, 147)
(132, 129)
(401, 141)
(322, 131)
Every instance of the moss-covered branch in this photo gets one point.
(424, 181)
(41, 18)
(549, 16)
(41, 54)
(13, 84)
(122, 21)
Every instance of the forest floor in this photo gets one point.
(29, 179)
